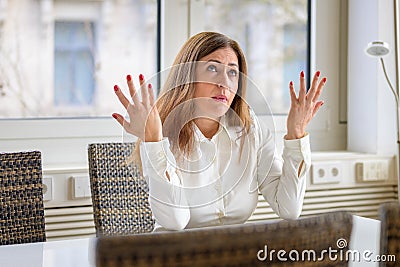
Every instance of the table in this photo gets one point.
(365, 238)
(64, 253)
(81, 252)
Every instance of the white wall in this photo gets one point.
(371, 105)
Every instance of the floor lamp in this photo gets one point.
(380, 49)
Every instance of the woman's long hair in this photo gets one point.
(178, 90)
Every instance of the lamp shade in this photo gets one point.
(377, 49)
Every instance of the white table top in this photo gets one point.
(81, 252)
(365, 239)
(65, 253)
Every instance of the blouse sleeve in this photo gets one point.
(282, 180)
(166, 194)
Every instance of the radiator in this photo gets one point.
(77, 222)
(360, 200)
(69, 222)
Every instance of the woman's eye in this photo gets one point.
(212, 68)
(233, 73)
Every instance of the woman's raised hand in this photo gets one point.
(304, 107)
(144, 119)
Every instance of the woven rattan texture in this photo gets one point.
(232, 245)
(389, 214)
(21, 198)
(119, 191)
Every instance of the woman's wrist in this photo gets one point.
(153, 137)
(293, 136)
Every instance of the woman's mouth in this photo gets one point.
(221, 98)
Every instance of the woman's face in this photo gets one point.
(217, 81)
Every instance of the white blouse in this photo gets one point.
(218, 184)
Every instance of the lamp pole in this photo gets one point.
(398, 146)
(396, 44)
(380, 49)
(396, 96)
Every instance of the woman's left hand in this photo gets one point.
(304, 107)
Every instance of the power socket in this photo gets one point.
(326, 172)
(81, 187)
(47, 188)
(372, 170)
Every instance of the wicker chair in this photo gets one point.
(119, 192)
(249, 244)
(21, 198)
(389, 214)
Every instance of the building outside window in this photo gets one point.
(274, 37)
(74, 83)
(61, 59)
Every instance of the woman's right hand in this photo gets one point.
(144, 119)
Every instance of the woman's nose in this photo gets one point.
(223, 80)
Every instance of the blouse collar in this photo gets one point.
(233, 132)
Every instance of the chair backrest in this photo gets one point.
(389, 215)
(119, 191)
(251, 244)
(21, 198)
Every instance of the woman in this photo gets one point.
(203, 152)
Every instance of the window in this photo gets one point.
(61, 59)
(74, 84)
(273, 35)
(295, 55)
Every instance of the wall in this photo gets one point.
(372, 121)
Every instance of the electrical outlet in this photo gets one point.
(372, 170)
(81, 187)
(47, 188)
(326, 172)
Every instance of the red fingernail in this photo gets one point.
(128, 78)
(115, 88)
(115, 116)
(291, 83)
(302, 74)
(324, 80)
(318, 73)
(141, 77)
(150, 86)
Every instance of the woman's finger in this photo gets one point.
(124, 101)
(313, 87)
(143, 89)
(319, 89)
(132, 90)
(302, 91)
(124, 123)
(151, 94)
(317, 106)
(128, 80)
(120, 119)
(293, 97)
